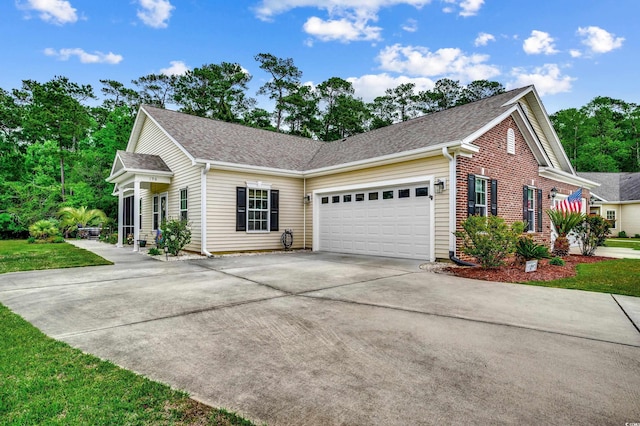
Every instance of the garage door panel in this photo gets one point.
(388, 226)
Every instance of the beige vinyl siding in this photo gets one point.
(153, 141)
(541, 135)
(629, 219)
(221, 212)
(435, 166)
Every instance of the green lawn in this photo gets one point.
(633, 243)
(619, 276)
(18, 255)
(44, 381)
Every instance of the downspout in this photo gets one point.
(452, 209)
(203, 210)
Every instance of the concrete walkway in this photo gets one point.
(323, 339)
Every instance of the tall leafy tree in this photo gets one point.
(215, 91)
(285, 78)
(479, 89)
(54, 111)
(156, 89)
(328, 93)
(301, 111)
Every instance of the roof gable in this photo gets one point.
(615, 187)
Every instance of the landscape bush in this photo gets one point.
(592, 233)
(527, 249)
(622, 234)
(557, 261)
(176, 234)
(489, 239)
(564, 222)
(44, 229)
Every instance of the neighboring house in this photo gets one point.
(617, 199)
(398, 191)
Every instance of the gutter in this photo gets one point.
(203, 210)
(452, 208)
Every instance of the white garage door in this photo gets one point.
(391, 221)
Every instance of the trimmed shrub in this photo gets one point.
(489, 239)
(622, 234)
(154, 251)
(57, 240)
(557, 261)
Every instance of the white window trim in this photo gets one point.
(615, 220)
(261, 186)
(486, 194)
(159, 196)
(532, 225)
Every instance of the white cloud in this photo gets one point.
(175, 68)
(539, 42)
(85, 57)
(347, 20)
(342, 30)
(483, 39)
(411, 26)
(446, 62)
(270, 8)
(155, 13)
(57, 12)
(575, 53)
(599, 40)
(548, 79)
(469, 7)
(370, 86)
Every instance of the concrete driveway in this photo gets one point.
(326, 339)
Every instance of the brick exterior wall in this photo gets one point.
(512, 172)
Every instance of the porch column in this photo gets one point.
(136, 214)
(120, 217)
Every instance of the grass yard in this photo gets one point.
(43, 381)
(619, 276)
(633, 243)
(18, 255)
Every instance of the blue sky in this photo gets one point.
(572, 50)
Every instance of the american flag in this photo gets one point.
(573, 203)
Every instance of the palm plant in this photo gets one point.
(73, 218)
(44, 229)
(564, 222)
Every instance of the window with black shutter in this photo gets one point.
(275, 201)
(494, 197)
(241, 209)
(471, 195)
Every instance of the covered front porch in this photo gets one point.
(132, 173)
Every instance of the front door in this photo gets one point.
(159, 210)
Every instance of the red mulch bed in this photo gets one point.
(513, 272)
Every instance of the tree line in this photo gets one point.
(57, 146)
(601, 136)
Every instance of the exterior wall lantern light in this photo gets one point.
(553, 193)
(439, 186)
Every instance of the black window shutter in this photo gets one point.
(525, 205)
(539, 210)
(241, 208)
(471, 195)
(494, 197)
(275, 198)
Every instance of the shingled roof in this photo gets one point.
(137, 161)
(615, 186)
(213, 140)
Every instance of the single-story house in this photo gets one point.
(617, 199)
(398, 191)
